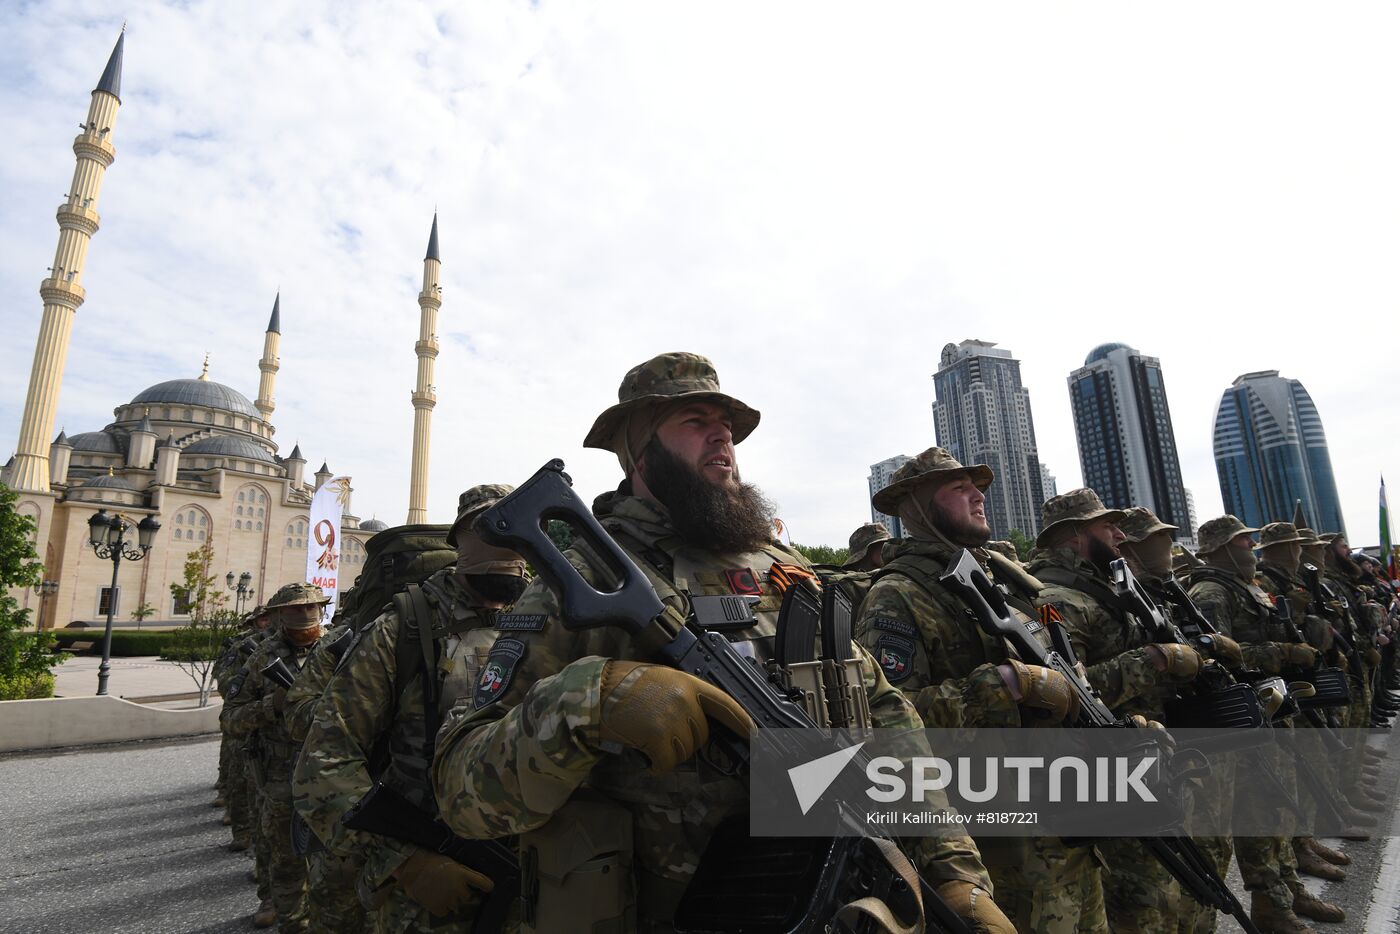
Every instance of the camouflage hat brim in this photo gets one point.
(861, 555)
(1296, 539)
(603, 434)
(888, 498)
(1043, 539)
(1153, 529)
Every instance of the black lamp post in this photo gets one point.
(45, 589)
(107, 535)
(242, 590)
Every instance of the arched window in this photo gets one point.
(296, 532)
(187, 520)
(252, 494)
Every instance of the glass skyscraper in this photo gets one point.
(1270, 451)
(982, 415)
(1127, 450)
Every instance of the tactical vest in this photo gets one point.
(1261, 622)
(277, 750)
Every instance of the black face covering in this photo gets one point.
(1101, 555)
(497, 588)
(732, 519)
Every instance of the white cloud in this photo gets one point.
(816, 196)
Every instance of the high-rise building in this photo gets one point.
(880, 476)
(1048, 486)
(1270, 451)
(1127, 450)
(1187, 535)
(982, 415)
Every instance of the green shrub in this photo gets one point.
(26, 687)
(125, 643)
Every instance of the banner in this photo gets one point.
(323, 544)
(1387, 553)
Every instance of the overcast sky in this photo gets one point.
(817, 197)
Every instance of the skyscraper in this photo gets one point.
(982, 415)
(880, 476)
(1127, 450)
(1270, 450)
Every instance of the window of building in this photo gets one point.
(108, 601)
(181, 604)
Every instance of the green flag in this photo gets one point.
(1387, 557)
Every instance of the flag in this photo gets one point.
(1387, 553)
(780, 527)
(323, 545)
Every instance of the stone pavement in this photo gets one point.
(131, 678)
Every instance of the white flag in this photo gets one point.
(323, 545)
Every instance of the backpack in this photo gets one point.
(854, 584)
(395, 558)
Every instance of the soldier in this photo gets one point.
(379, 692)
(1224, 588)
(1359, 622)
(256, 712)
(1132, 670)
(864, 549)
(237, 787)
(554, 742)
(958, 676)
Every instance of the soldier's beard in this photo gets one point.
(966, 533)
(734, 518)
(1101, 555)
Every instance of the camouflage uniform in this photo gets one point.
(1140, 894)
(862, 541)
(331, 904)
(947, 666)
(1243, 611)
(232, 751)
(254, 714)
(244, 804)
(523, 746)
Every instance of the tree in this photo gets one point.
(143, 612)
(26, 665)
(1023, 544)
(823, 554)
(196, 646)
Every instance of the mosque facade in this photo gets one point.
(196, 454)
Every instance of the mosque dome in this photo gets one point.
(1102, 351)
(107, 482)
(225, 446)
(374, 525)
(98, 442)
(202, 392)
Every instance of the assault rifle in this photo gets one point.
(1178, 854)
(385, 812)
(850, 866)
(1320, 592)
(277, 672)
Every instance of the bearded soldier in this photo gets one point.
(256, 711)
(1132, 670)
(586, 749)
(958, 676)
(1224, 588)
(387, 694)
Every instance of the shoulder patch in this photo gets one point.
(896, 658)
(496, 674)
(743, 581)
(898, 626)
(520, 622)
(1052, 612)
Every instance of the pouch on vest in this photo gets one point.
(576, 870)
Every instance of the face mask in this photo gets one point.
(1153, 554)
(1243, 561)
(504, 589)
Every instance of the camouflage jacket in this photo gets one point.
(518, 748)
(1360, 617)
(1243, 611)
(316, 673)
(253, 708)
(927, 645)
(361, 732)
(1280, 582)
(1111, 643)
(230, 663)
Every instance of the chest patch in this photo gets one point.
(1052, 613)
(897, 626)
(520, 622)
(743, 581)
(496, 674)
(896, 658)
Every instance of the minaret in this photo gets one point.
(269, 362)
(63, 290)
(424, 398)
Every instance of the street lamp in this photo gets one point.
(107, 536)
(243, 589)
(45, 589)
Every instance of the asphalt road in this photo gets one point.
(122, 839)
(119, 839)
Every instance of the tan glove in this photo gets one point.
(974, 905)
(1300, 654)
(441, 885)
(663, 712)
(1373, 658)
(1226, 651)
(1041, 688)
(1175, 659)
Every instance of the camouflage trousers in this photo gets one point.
(239, 796)
(1140, 896)
(286, 869)
(1210, 809)
(262, 852)
(1267, 864)
(1044, 886)
(402, 915)
(332, 907)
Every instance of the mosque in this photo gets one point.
(194, 453)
